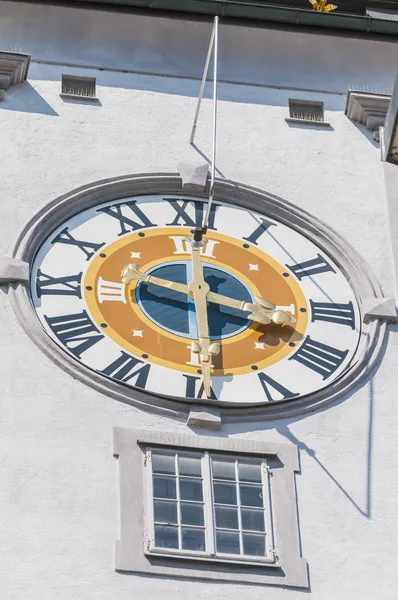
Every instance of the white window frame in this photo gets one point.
(133, 550)
(209, 506)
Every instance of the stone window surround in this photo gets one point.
(291, 569)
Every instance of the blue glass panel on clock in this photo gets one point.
(175, 311)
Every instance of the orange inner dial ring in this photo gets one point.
(158, 325)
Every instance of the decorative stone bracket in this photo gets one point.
(193, 176)
(14, 68)
(12, 269)
(205, 418)
(379, 308)
(368, 109)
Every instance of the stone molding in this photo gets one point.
(14, 68)
(290, 568)
(368, 109)
(12, 269)
(365, 285)
(379, 308)
(193, 175)
(208, 418)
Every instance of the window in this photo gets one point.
(209, 505)
(208, 508)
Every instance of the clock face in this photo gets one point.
(140, 334)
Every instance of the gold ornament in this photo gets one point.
(321, 6)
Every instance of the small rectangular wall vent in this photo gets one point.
(306, 110)
(74, 86)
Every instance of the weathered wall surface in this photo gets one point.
(58, 497)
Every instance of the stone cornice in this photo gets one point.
(368, 109)
(14, 68)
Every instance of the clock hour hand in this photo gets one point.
(263, 311)
(132, 273)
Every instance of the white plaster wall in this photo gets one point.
(59, 481)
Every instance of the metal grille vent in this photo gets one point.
(306, 110)
(78, 87)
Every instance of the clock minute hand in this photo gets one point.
(204, 347)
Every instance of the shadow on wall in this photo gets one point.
(24, 98)
(175, 85)
(282, 427)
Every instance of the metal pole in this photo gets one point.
(213, 153)
(202, 85)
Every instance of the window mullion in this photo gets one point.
(239, 507)
(178, 501)
(208, 505)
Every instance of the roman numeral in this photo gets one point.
(180, 206)
(115, 211)
(124, 368)
(64, 237)
(342, 314)
(76, 332)
(311, 267)
(111, 291)
(46, 285)
(264, 226)
(191, 388)
(268, 382)
(183, 247)
(319, 357)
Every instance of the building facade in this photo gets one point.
(123, 476)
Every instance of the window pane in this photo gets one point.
(163, 463)
(190, 465)
(166, 537)
(253, 520)
(164, 487)
(225, 493)
(192, 514)
(251, 495)
(223, 469)
(191, 489)
(249, 472)
(227, 518)
(165, 512)
(227, 543)
(193, 539)
(254, 545)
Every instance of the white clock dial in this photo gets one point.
(141, 334)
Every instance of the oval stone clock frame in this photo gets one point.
(352, 265)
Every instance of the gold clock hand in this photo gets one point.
(207, 349)
(264, 311)
(132, 273)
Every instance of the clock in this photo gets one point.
(256, 312)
